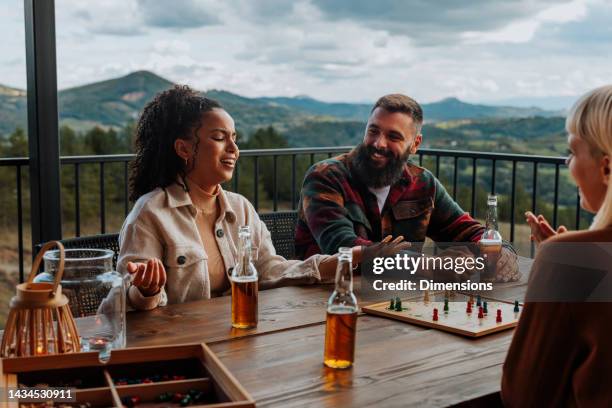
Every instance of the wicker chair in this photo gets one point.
(282, 228)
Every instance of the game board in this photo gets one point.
(420, 311)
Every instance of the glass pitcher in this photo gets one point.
(96, 294)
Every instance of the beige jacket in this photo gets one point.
(162, 225)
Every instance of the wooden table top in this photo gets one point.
(281, 361)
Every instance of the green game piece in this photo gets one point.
(185, 401)
(516, 306)
(391, 305)
(478, 301)
(164, 397)
(398, 304)
(445, 305)
(484, 308)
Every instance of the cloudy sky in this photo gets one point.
(523, 51)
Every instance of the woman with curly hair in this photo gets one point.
(180, 241)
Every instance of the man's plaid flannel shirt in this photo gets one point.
(337, 210)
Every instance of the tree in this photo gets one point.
(18, 144)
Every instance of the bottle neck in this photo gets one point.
(245, 249)
(491, 223)
(344, 275)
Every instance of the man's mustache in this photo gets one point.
(383, 152)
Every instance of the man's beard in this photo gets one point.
(377, 177)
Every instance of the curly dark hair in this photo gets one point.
(173, 114)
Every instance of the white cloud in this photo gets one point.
(337, 50)
(524, 30)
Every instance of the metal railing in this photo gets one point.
(474, 159)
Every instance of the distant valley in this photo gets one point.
(450, 123)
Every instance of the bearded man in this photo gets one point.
(360, 197)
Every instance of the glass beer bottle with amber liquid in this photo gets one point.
(491, 241)
(244, 285)
(341, 316)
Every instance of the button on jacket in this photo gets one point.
(162, 225)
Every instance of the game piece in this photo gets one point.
(398, 304)
(426, 296)
(480, 312)
(130, 401)
(478, 301)
(516, 306)
(391, 304)
(186, 400)
(468, 309)
(435, 315)
(498, 319)
(445, 305)
(484, 308)
(164, 397)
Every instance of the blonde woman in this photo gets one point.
(561, 352)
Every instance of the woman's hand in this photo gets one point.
(149, 278)
(540, 228)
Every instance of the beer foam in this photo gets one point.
(490, 242)
(244, 279)
(341, 309)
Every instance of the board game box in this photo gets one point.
(168, 376)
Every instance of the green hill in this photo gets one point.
(115, 102)
(111, 103)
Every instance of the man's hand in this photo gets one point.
(540, 228)
(149, 278)
(385, 248)
(507, 269)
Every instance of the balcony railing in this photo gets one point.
(455, 168)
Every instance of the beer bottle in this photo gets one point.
(491, 241)
(341, 316)
(244, 284)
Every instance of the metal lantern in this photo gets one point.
(40, 321)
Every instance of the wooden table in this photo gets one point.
(280, 362)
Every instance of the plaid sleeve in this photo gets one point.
(324, 212)
(449, 223)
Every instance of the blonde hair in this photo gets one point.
(591, 120)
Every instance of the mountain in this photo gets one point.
(453, 109)
(115, 102)
(347, 111)
(559, 103)
(13, 109)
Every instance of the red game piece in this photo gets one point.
(480, 312)
(468, 309)
(435, 315)
(177, 397)
(499, 318)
